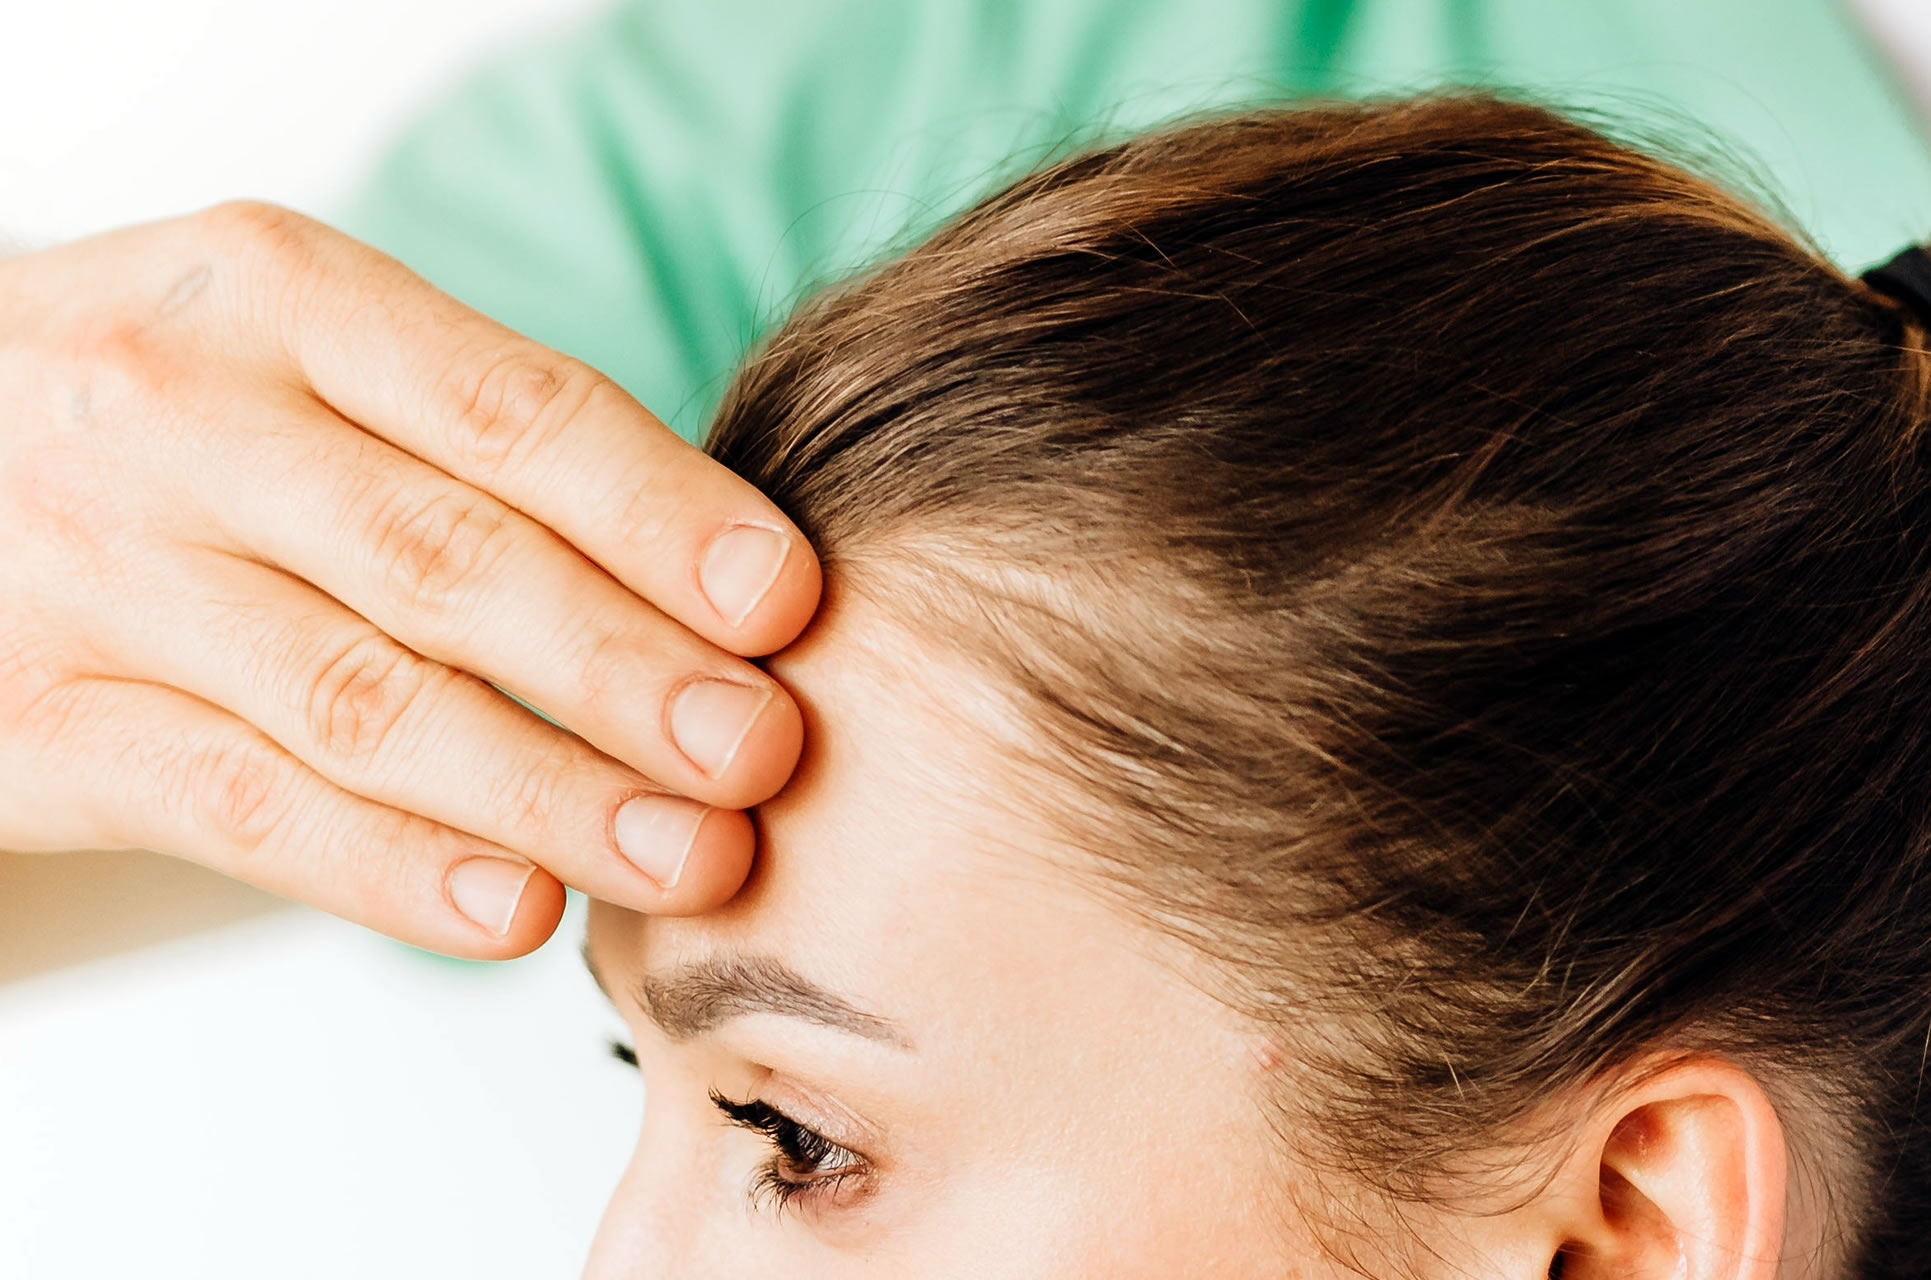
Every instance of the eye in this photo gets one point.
(804, 1163)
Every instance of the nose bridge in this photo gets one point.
(656, 1224)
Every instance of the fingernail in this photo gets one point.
(709, 719)
(656, 834)
(487, 890)
(739, 567)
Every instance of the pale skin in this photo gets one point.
(1014, 1078)
(281, 520)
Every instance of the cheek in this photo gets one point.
(1056, 1224)
(1135, 1214)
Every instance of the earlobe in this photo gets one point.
(1691, 1176)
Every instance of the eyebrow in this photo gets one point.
(691, 1000)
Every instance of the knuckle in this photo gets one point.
(430, 551)
(517, 405)
(255, 227)
(536, 800)
(359, 696)
(238, 789)
(277, 252)
(30, 680)
(610, 665)
(648, 516)
(384, 867)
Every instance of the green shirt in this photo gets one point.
(650, 190)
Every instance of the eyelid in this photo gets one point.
(822, 1115)
(760, 1116)
(845, 1130)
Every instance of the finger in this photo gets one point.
(381, 721)
(552, 438)
(165, 771)
(456, 575)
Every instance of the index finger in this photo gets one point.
(554, 438)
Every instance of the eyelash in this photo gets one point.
(804, 1164)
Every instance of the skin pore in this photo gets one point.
(920, 1045)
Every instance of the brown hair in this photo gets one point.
(1478, 576)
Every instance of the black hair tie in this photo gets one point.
(1906, 278)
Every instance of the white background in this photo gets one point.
(293, 1097)
(116, 111)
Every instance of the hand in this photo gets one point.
(274, 517)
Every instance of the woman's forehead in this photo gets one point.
(891, 841)
(903, 774)
(895, 867)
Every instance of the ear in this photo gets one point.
(1682, 1174)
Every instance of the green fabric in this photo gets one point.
(649, 190)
